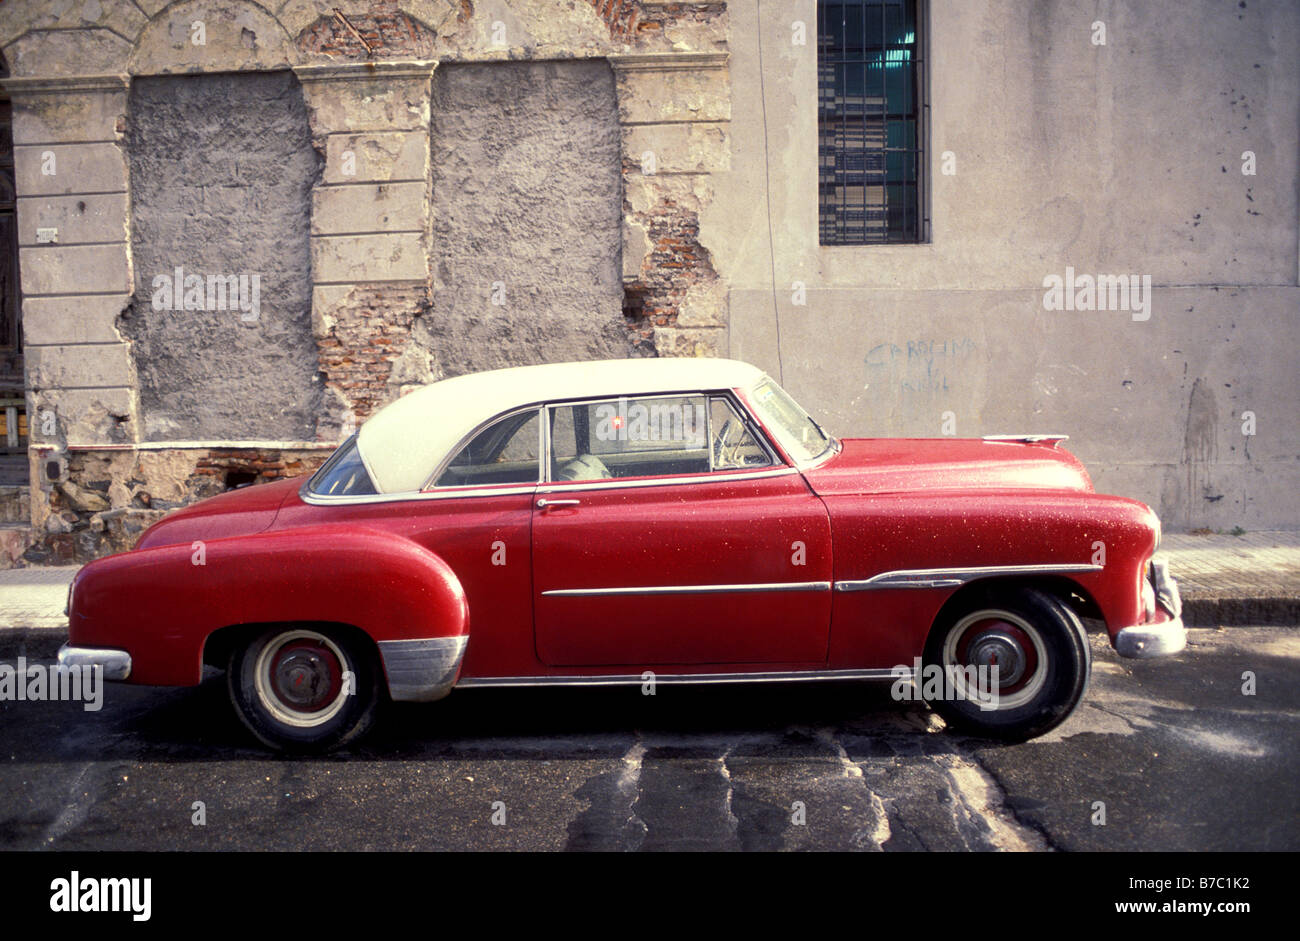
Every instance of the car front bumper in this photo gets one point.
(1145, 641)
(1156, 638)
(115, 664)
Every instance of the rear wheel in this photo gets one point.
(300, 688)
(1014, 664)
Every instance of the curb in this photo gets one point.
(32, 642)
(1236, 612)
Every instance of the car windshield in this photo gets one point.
(800, 436)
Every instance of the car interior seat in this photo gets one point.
(584, 467)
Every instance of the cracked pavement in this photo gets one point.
(1178, 756)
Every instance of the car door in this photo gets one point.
(476, 514)
(668, 532)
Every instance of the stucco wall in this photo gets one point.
(527, 207)
(221, 171)
(1117, 159)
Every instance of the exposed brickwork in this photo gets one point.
(367, 334)
(385, 32)
(675, 262)
(254, 466)
(621, 15)
(652, 21)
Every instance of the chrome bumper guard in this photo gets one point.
(422, 670)
(114, 664)
(1158, 638)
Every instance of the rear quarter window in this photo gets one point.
(344, 474)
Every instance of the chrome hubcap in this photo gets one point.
(999, 649)
(998, 638)
(300, 678)
(304, 678)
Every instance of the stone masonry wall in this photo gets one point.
(106, 499)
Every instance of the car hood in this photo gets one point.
(234, 513)
(892, 465)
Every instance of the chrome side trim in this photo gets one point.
(1028, 439)
(115, 664)
(691, 589)
(707, 477)
(505, 491)
(952, 578)
(684, 679)
(716, 477)
(422, 670)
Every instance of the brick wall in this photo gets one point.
(385, 32)
(675, 263)
(366, 336)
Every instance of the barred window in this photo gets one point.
(870, 122)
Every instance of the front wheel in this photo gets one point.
(305, 688)
(1013, 665)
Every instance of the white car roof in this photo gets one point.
(405, 441)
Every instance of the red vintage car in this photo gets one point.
(679, 520)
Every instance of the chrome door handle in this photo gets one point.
(543, 503)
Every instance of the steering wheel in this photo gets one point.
(726, 452)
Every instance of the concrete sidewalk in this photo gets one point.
(1253, 578)
(1225, 580)
(32, 622)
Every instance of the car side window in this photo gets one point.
(630, 437)
(344, 474)
(505, 452)
(656, 436)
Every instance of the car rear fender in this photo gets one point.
(162, 604)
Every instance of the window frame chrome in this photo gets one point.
(781, 464)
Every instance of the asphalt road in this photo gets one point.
(1178, 755)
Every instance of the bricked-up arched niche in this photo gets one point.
(211, 36)
(221, 172)
(526, 222)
